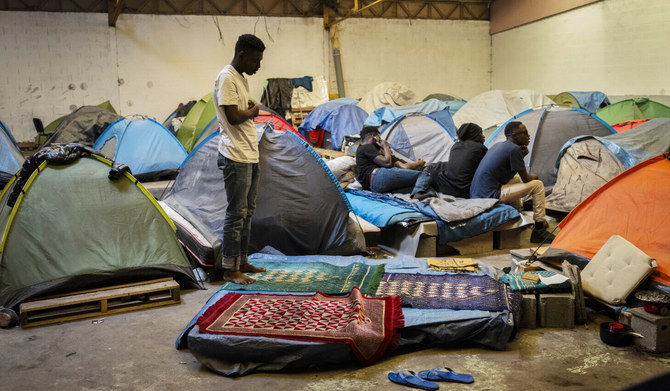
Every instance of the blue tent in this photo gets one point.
(11, 158)
(339, 119)
(419, 136)
(144, 145)
(388, 114)
(549, 129)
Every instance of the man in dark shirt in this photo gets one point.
(378, 170)
(464, 159)
(496, 177)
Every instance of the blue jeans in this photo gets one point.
(241, 182)
(389, 180)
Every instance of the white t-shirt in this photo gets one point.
(238, 142)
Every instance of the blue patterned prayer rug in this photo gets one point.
(312, 277)
(451, 291)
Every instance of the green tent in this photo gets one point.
(637, 108)
(68, 227)
(196, 121)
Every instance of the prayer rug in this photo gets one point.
(369, 325)
(519, 284)
(450, 291)
(312, 277)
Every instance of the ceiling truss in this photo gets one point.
(333, 11)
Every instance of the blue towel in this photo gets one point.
(305, 81)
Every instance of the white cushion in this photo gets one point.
(616, 270)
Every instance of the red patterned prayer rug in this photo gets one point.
(369, 325)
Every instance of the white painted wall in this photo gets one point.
(428, 56)
(619, 47)
(53, 63)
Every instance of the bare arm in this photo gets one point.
(411, 165)
(526, 177)
(385, 159)
(235, 116)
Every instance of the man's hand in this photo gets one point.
(420, 162)
(254, 108)
(524, 150)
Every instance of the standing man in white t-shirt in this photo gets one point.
(238, 156)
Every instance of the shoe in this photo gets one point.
(410, 379)
(446, 374)
(541, 236)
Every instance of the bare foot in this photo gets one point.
(249, 268)
(237, 277)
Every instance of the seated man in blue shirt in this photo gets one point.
(464, 159)
(496, 177)
(379, 171)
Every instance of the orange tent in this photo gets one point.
(628, 125)
(635, 205)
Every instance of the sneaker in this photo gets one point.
(541, 236)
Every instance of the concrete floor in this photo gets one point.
(136, 351)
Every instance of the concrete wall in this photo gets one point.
(618, 47)
(55, 62)
(428, 56)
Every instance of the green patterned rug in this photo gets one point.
(312, 277)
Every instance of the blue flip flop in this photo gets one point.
(410, 379)
(446, 374)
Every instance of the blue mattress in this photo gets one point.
(383, 210)
(234, 355)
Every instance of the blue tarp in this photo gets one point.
(455, 105)
(392, 211)
(590, 100)
(340, 119)
(144, 145)
(389, 114)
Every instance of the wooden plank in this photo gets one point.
(95, 296)
(104, 288)
(99, 303)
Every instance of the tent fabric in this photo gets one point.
(419, 136)
(442, 97)
(590, 101)
(455, 105)
(387, 94)
(144, 145)
(628, 125)
(198, 118)
(549, 129)
(82, 126)
(73, 228)
(11, 157)
(388, 114)
(640, 197)
(493, 108)
(340, 119)
(300, 208)
(636, 108)
(231, 355)
(586, 163)
(107, 105)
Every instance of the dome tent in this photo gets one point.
(144, 145)
(11, 157)
(636, 108)
(549, 129)
(82, 126)
(419, 136)
(300, 208)
(67, 226)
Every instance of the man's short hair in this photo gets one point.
(511, 127)
(367, 130)
(249, 42)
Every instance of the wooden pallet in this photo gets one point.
(100, 302)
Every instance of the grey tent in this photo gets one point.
(549, 129)
(300, 207)
(586, 163)
(66, 226)
(83, 126)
